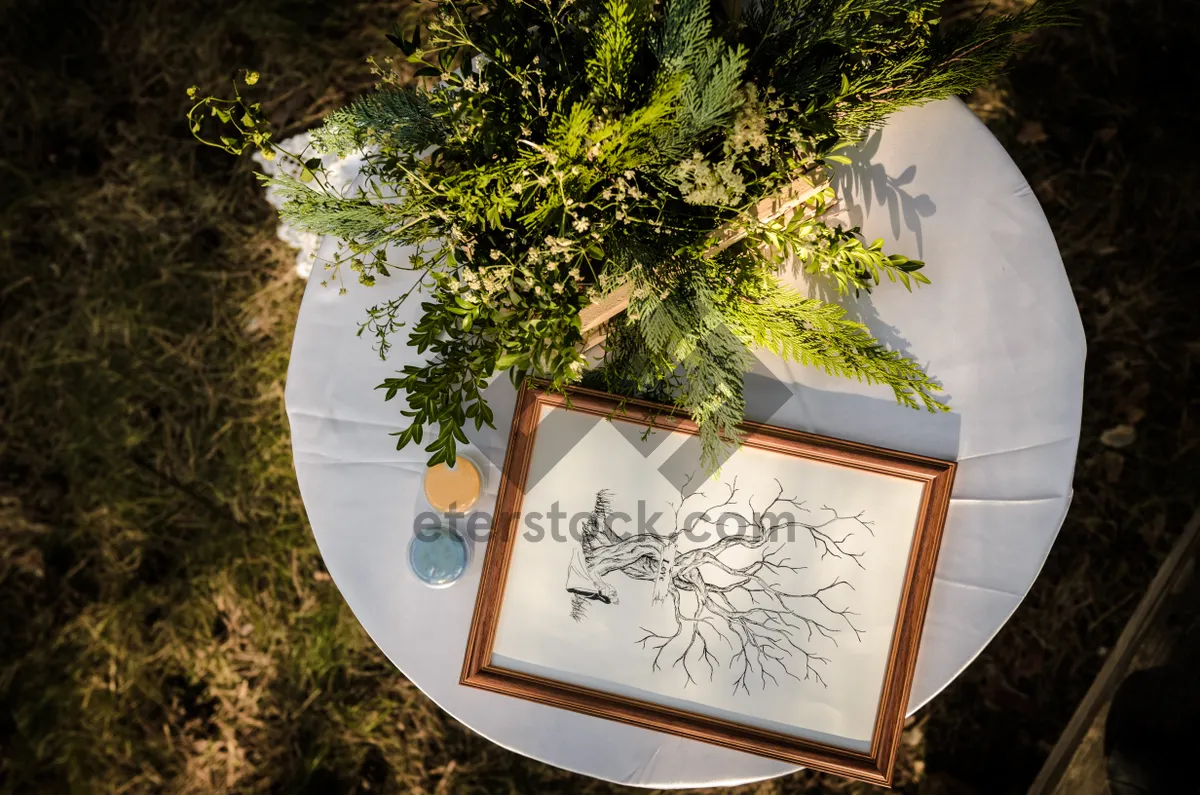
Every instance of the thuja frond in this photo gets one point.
(711, 96)
(684, 36)
(818, 334)
(644, 136)
(685, 330)
(352, 219)
(393, 118)
(712, 70)
(964, 58)
(714, 372)
(970, 55)
(615, 44)
(855, 62)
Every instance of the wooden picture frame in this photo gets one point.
(872, 763)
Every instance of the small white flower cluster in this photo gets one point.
(482, 286)
(820, 240)
(702, 182)
(622, 191)
(542, 266)
(471, 84)
(722, 183)
(558, 246)
(529, 87)
(749, 125)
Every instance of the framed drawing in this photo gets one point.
(775, 608)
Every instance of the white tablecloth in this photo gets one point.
(998, 326)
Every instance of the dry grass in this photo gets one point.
(166, 623)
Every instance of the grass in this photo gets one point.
(167, 625)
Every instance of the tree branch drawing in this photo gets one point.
(733, 607)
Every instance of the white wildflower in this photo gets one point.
(749, 126)
(558, 245)
(703, 183)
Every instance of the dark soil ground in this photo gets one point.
(165, 622)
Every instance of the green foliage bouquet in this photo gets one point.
(564, 149)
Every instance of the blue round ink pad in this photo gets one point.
(438, 556)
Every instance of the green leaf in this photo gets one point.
(406, 46)
(508, 360)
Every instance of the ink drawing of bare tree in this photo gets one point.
(740, 601)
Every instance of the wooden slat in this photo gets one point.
(1117, 665)
(600, 312)
(781, 205)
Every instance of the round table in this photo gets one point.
(998, 326)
